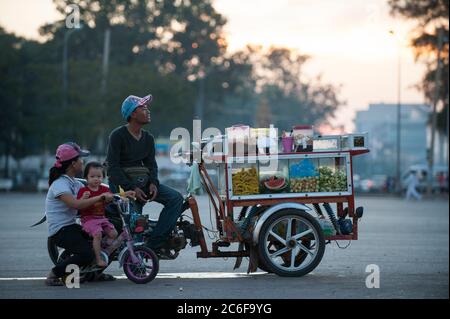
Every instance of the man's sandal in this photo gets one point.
(54, 282)
(104, 277)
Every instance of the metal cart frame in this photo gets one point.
(224, 205)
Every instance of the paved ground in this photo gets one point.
(408, 241)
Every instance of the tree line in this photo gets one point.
(175, 50)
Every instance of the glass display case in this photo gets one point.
(295, 175)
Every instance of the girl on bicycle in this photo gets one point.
(93, 217)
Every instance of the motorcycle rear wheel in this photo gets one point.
(84, 276)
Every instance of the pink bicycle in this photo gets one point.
(139, 262)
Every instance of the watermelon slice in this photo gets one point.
(275, 183)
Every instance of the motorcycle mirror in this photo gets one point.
(359, 211)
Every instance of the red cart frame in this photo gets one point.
(223, 207)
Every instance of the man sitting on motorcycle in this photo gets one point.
(132, 166)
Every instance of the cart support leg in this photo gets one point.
(355, 227)
(351, 213)
(198, 224)
(340, 209)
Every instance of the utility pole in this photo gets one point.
(398, 181)
(434, 114)
(64, 65)
(104, 86)
(447, 153)
(106, 46)
(399, 120)
(200, 104)
(65, 62)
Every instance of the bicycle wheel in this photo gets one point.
(145, 269)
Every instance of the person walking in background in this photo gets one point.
(390, 186)
(412, 182)
(442, 182)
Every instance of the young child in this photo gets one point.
(93, 218)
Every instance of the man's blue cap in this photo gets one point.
(132, 102)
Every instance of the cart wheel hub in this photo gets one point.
(291, 243)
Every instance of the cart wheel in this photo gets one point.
(291, 243)
(274, 244)
(262, 265)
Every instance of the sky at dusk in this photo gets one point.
(348, 41)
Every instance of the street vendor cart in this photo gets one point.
(281, 208)
(278, 208)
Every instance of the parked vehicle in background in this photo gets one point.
(380, 183)
(375, 184)
(6, 184)
(365, 185)
(42, 184)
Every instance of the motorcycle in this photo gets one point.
(277, 232)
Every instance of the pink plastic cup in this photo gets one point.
(287, 141)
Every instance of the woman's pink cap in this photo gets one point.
(68, 151)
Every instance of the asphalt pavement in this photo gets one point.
(408, 242)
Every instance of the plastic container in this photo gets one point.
(327, 143)
(238, 140)
(288, 143)
(303, 138)
(355, 141)
(327, 227)
(265, 139)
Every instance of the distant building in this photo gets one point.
(380, 121)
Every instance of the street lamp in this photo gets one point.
(399, 63)
(200, 104)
